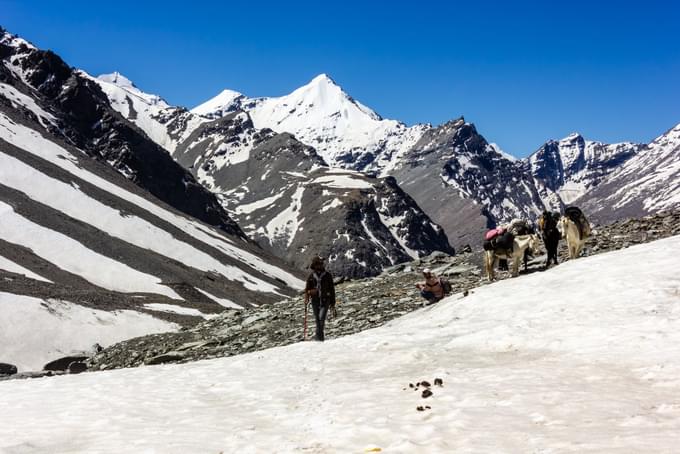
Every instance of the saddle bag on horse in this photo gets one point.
(577, 217)
(490, 238)
(500, 242)
(521, 227)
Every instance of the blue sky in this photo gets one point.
(522, 71)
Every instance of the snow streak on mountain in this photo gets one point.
(646, 183)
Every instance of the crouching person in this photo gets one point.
(321, 291)
(432, 289)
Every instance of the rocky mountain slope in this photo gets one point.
(87, 121)
(648, 182)
(465, 184)
(568, 169)
(82, 245)
(284, 195)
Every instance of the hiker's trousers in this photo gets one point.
(320, 312)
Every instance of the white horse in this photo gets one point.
(520, 244)
(571, 232)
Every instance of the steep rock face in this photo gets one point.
(465, 184)
(567, 169)
(288, 200)
(86, 119)
(283, 193)
(285, 197)
(648, 182)
(343, 131)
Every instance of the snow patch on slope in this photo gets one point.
(8, 265)
(34, 331)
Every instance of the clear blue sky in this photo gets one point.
(522, 71)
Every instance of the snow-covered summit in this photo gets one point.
(117, 79)
(14, 41)
(345, 132)
(226, 101)
(164, 124)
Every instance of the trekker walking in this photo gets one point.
(321, 291)
(432, 289)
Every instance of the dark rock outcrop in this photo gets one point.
(8, 369)
(62, 364)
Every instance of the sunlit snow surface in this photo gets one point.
(59, 328)
(584, 357)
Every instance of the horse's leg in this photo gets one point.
(515, 265)
(488, 263)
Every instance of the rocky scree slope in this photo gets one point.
(363, 304)
(285, 196)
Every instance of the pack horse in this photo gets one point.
(514, 253)
(575, 229)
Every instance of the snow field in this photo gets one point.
(581, 358)
(34, 332)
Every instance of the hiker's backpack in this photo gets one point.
(446, 285)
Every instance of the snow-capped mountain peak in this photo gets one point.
(119, 80)
(226, 101)
(14, 41)
(321, 114)
(164, 124)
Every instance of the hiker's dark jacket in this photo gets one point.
(323, 282)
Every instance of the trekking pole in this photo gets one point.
(304, 334)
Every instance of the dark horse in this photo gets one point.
(547, 224)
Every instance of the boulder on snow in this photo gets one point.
(165, 358)
(8, 369)
(63, 363)
(77, 367)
